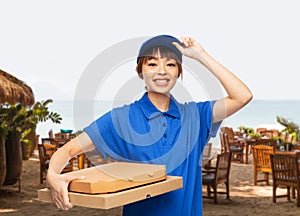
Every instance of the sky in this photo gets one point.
(49, 44)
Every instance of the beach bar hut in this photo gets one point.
(12, 90)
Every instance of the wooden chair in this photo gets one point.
(49, 149)
(275, 132)
(206, 155)
(259, 130)
(61, 139)
(46, 149)
(285, 137)
(50, 134)
(229, 131)
(51, 141)
(217, 175)
(262, 163)
(43, 166)
(44, 162)
(285, 172)
(66, 136)
(235, 147)
(266, 133)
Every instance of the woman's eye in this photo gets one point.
(171, 64)
(151, 64)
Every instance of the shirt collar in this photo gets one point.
(150, 111)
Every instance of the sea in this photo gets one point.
(258, 113)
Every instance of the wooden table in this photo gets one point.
(247, 143)
(291, 153)
(251, 142)
(81, 161)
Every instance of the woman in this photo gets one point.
(159, 130)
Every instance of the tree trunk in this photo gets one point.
(28, 148)
(14, 160)
(33, 144)
(2, 162)
(25, 151)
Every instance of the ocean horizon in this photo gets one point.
(256, 114)
(264, 112)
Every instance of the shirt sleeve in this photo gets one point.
(208, 128)
(214, 126)
(94, 131)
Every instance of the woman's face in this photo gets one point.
(160, 74)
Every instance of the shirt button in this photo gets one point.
(164, 124)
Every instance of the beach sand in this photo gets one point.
(245, 199)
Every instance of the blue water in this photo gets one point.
(257, 112)
(264, 112)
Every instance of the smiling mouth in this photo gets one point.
(162, 81)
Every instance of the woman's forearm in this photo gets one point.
(76, 146)
(59, 160)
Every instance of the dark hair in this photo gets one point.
(164, 52)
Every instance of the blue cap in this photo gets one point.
(160, 41)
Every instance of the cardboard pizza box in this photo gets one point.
(116, 176)
(112, 200)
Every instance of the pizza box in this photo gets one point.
(120, 198)
(116, 176)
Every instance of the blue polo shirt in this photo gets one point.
(139, 132)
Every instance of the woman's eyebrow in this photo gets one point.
(156, 58)
(153, 57)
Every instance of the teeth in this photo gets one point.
(161, 81)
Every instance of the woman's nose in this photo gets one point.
(161, 70)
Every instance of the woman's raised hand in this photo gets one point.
(191, 48)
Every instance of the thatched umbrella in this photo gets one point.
(13, 90)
